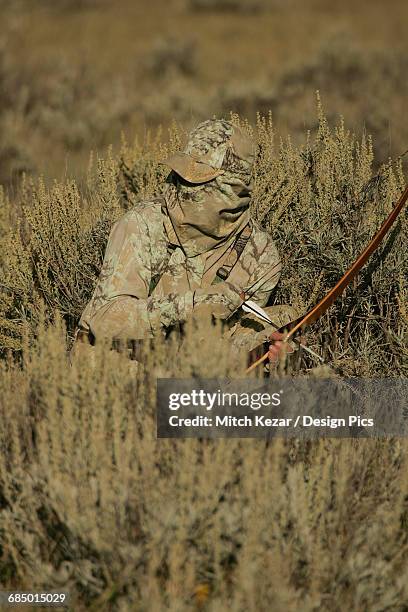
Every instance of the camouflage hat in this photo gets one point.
(213, 147)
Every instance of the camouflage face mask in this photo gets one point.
(208, 215)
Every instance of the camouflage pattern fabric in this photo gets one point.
(250, 332)
(162, 257)
(128, 302)
(213, 147)
(209, 216)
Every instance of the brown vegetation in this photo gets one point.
(74, 73)
(321, 198)
(90, 501)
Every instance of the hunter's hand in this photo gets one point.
(277, 347)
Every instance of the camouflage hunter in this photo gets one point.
(194, 249)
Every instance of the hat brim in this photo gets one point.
(190, 169)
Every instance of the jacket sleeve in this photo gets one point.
(266, 276)
(258, 270)
(121, 307)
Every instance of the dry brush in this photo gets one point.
(90, 501)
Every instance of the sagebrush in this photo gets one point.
(191, 59)
(91, 502)
(320, 201)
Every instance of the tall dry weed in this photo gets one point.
(241, 6)
(323, 205)
(92, 502)
(321, 201)
(203, 57)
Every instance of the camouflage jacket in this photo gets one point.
(147, 284)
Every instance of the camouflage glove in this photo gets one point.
(127, 317)
(220, 300)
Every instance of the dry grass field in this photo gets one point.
(75, 73)
(90, 501)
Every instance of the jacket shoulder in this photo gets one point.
(145, 212)
(147, 207)
(261, 240)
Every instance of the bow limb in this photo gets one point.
(325, 303)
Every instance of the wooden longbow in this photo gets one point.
(316, 312)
